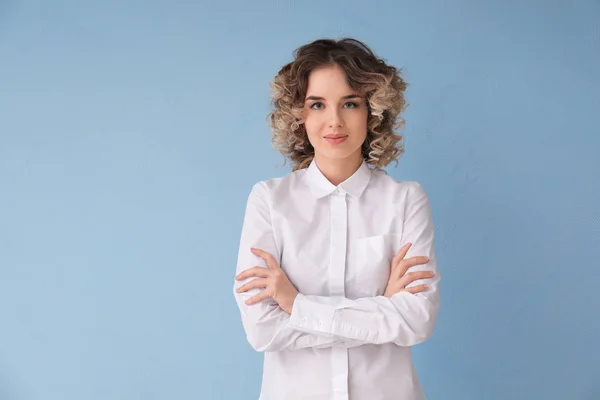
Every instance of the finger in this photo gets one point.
(416, 289)
(257, 298)
(261, 272)
(268, 257)
(415, 276)
(253, 284)
(400, 255)
(411, 262)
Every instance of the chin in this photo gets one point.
(338, 154)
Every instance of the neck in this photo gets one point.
(338, 170)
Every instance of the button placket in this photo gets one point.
(337, 273)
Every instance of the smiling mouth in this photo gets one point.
(337, 139)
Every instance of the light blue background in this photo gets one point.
(131, 133)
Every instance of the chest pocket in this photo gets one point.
(369, 264)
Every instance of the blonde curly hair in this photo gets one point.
(370, 76)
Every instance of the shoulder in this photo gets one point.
(408, 190)
(268, 188)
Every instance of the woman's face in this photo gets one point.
(335, 116)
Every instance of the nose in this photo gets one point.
(335, 119)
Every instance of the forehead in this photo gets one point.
(328, 81)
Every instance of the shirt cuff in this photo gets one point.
(311, 316)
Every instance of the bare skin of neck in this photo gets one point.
(338, 170)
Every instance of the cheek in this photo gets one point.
(359, 125)
(313, 128)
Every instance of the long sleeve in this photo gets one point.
(266, 325)
(405, 319)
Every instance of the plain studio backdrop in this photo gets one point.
(131, 133)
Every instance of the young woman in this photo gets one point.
(337, 273)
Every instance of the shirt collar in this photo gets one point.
(321, 187)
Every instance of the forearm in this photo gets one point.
(404, 319)
(268, 328)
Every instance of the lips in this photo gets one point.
(335, 139)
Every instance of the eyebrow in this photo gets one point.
(350, 96)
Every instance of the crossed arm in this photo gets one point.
(276, 317)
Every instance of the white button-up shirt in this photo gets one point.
(343, 339)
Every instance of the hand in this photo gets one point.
(399, 279)
(274, 281)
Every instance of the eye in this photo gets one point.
(351, 104)
(316, 104)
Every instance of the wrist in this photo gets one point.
(289, 304)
